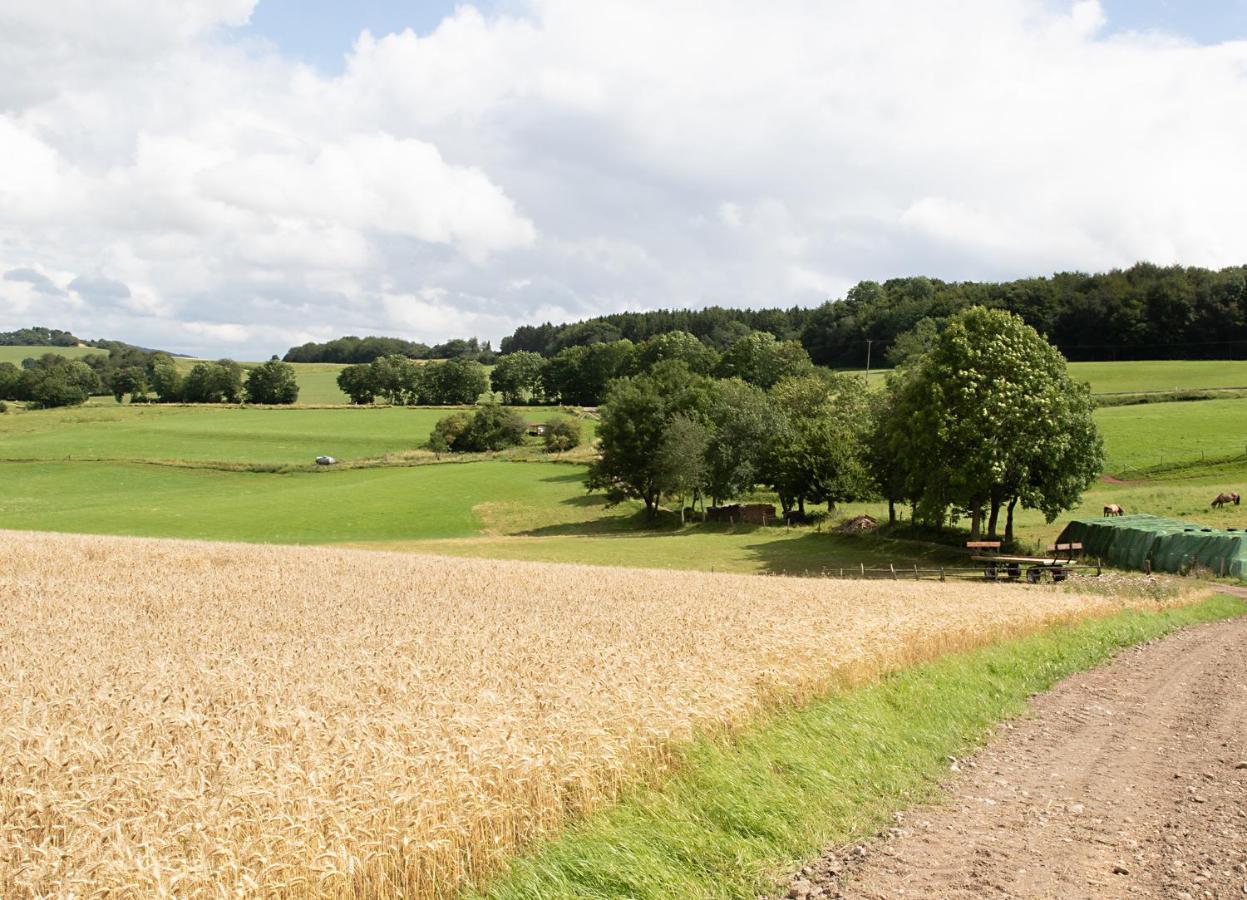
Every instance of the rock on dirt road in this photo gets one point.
(1126, 781)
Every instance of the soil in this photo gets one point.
(1126, 781)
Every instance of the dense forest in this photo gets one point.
(38, 337)
(352, 349)
(1144, 312)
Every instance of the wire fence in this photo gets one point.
(1001, 571)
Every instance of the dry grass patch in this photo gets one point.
(215, 719)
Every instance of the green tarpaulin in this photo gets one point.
(1171, 545)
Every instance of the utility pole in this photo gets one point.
(869, 341)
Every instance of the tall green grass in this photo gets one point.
(743, 812)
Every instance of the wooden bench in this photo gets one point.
(1070, 551)
(982, 545)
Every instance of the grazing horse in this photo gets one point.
(1224, 498)
(1112, 509)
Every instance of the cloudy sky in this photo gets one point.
(231, 177)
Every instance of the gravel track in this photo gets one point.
(1126, 781)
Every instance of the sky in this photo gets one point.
(227, 177)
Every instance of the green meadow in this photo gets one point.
(1145, 377)
(228, 435)
(247, 473)
(15, 355)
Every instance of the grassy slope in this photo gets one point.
(15, 355)
(744, 810)
(552, 525)
(1160, 375)
(1146, 377)
(273, 436)
(1171, 434)
(385, 504)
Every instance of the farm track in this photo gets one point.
(1126, 781)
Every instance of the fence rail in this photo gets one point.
(945, 573)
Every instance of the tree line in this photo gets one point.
(1143, 312)
(985, 419)
(38, 336)
(352, 349)
(53, 380)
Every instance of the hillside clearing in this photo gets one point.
(185, 717)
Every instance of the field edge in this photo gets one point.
(744, 810)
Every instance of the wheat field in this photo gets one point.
(207, 719)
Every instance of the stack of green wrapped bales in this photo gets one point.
(1168, 545)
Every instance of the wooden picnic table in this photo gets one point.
(993, 563)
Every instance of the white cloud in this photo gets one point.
(588, 156)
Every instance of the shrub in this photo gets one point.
(489, 428)
(562, 434)
(494, 428)
(4, 407)
(448, 432)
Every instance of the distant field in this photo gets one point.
(1143, 377)
(1162, 375)
(224, 434)
(385, 504)
(501, 509)
(318, 382)
(1173, 434)
(15, 355)
(188, 719)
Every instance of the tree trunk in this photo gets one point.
(801, 506)
(891, 511)
(994, 518)
(976, 519)
(1009, 519)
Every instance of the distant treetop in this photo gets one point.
(1143, 312)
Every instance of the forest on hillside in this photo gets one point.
(1143, 312)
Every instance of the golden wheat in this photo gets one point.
(201, 719)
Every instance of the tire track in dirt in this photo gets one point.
(1126, 781)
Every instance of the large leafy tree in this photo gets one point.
(681, 459)
(818, 451)
(456, 381)
(634, 421)
(213, 382)
(760, 359)
(10, 381)
(53, 380)
(164, 378)
(994, 419)
(675, 345)
(394, 378)
(357, 383)
(744, 422)
(272, 382)
(579, 375)
(517, 376)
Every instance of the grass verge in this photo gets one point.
(742, 811)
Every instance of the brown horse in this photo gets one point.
(1112, 509)
(1224, 498)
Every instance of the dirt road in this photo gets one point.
(1127, 781)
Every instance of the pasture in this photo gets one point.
(230, 473)
(16, 354)
(186, 718)
(268, 436)
(1142, 377)
(1156, 437)
(318, 382)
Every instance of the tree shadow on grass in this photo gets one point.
(639, 525)
(817, 554)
